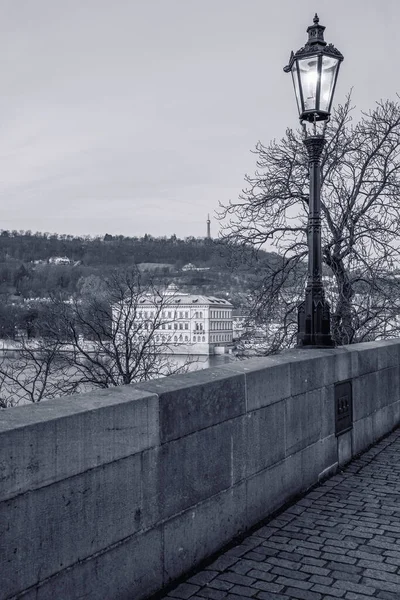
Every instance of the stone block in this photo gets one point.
(396, 413)
(365, 395)
(198, 466)
(388, 386)
(306, 467)
(151, 503)
(327, 411)
(362, 434)
(198, 532)
(328, 454)
(346, 364)
(374, 391)
(373, 356)
(197, 400)
(49, 529)
(267, 382)
(265, 437)
(345, 448)
(389, 354)
(312, 369)
(268, 490)
(47, 442)
(383, 421)
(364, 357)
(303, 420)
(131, 569)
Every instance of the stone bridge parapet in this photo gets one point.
(112, 495)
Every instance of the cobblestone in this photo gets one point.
(340, 541)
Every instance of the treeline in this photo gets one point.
(28, 270)
(110, 250)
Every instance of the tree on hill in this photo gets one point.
(360, 225)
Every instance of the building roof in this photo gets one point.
(177, 298)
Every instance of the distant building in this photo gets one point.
(241, 324)
(189, 267)
(188, 323)
(59, 260)
(192, 267)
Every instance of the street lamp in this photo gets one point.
(314, 71)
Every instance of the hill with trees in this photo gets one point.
(36, 266)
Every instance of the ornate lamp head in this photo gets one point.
(314, 69)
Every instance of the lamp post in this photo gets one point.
(314, 71)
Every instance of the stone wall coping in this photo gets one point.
(58, 408)
(68, 406)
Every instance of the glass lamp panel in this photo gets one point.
(308, 72)
(328, 78)
(295, 78)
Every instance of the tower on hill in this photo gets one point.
(208, 227)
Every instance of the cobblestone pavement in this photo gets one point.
(341, 540)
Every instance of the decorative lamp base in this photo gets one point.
(314, 323)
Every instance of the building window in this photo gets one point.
(186, 314)
(180, 325)
(203, 339)
(186, 338)
(186, 325)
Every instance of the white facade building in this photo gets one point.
(59, 260)
(187, 323)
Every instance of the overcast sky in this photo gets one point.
(138, 116)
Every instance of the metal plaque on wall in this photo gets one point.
(343, 407)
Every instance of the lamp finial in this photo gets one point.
(316, 33)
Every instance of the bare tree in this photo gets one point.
(108, 342)
(360, 225)
(98, 339)
(37, 370)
